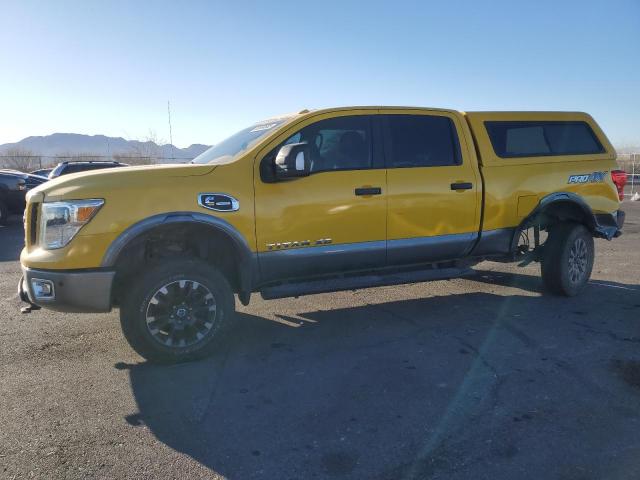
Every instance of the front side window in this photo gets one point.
(341, 143)
(542, 139)
(421, 141)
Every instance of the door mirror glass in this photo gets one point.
(293, 160)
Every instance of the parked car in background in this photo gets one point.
(43, 172)
(64, 168)
(13, 187)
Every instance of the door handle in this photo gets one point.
(368, 191)
(462, 186)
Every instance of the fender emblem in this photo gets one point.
(595, 177)
(220, 202)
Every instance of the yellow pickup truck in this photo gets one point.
(318, 201)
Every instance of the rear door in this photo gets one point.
(433, 187)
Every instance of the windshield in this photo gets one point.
(230, 148)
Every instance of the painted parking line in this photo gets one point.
(601, 284)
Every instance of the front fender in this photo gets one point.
(248, 263)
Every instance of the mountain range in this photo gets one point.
(60, 144)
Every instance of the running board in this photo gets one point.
(363, 281)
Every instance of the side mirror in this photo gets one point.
(293, 161)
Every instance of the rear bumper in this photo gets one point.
(609, 225)
(72, 291)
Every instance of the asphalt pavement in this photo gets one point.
(485, 377)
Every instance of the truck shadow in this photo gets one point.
(534, 283)
(406, 389)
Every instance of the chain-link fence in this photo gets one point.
(30, 162)
(630, 163)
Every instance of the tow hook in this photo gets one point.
(25, 298)
(29, 308)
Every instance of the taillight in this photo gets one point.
(619, 178)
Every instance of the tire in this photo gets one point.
(4, 213)
(177, 311)
(568, 259)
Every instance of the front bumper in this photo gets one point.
(72, 291)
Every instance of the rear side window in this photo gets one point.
(421, 141)
(85, 167)
(71, 169)
(542, 139)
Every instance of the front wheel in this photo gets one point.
(568, 259)
(177, 311)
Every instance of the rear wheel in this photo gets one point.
(568, 259)
(177, 311)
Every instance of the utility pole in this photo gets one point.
(170, 132)
(633, 172)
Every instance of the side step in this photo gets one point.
(362, 281)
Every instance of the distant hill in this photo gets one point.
(59, 144)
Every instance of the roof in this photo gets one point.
(371, 107)
(76, 162)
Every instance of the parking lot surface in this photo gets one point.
(485, 377)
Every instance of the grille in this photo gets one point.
(33, 224)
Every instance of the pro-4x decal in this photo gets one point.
(595, 177)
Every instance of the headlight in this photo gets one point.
(60, 221)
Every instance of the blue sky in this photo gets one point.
(109, 67)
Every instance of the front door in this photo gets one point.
(333, 220)
(432, 186)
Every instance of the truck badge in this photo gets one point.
(295, 244)
(220, 202)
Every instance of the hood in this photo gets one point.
(96, 183)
